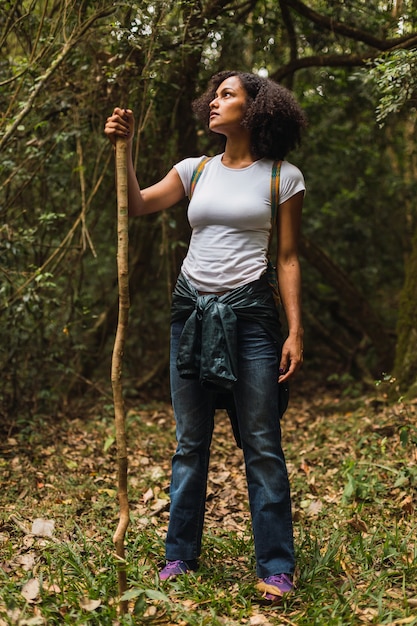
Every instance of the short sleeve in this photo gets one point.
(291, 181)
(185, 170)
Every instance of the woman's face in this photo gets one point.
(228, 106)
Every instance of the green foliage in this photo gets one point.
(359, 199)
(394, 76)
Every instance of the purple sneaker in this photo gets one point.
(173, 569)
(275, 587)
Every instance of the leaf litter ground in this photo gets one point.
(353, 471)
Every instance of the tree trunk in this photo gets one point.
(116, 368)
(405, 369)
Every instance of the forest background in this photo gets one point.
(350, 431)
(65, 65)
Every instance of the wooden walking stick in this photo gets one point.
(116, 365)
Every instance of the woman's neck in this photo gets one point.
(237, 152)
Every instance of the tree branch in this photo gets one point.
(322, 60)
(351, 32)
(43, 80)
(116, 366)
(289, 25)
(336, 60)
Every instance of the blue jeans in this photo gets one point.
(256, 399)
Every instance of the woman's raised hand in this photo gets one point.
(120, 124)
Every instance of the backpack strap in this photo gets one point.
(271, 272)
(275, 177)
(197, 173)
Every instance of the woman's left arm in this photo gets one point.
(289, 282)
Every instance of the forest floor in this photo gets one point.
(352, 462)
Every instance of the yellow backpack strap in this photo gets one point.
(271, 273)
(275, 175)
(197, 173)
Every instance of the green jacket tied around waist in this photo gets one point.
(208, 345)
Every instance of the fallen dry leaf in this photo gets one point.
(407, 505)
(28, 541)
(150, 611)
(148, 495)
(43, 527)
(26, 561)
(358, 524)
(89, 605)
(314, 508)
(30, 590)
(366, 615)
(259, 620)
(51, 588)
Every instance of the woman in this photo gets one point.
(225, 334)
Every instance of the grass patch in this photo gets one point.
(353, 474)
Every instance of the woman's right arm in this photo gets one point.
(163, 194)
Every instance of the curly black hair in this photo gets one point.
(272, 114)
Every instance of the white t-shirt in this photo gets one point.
(230, 217)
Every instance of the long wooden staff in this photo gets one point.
(116, 365)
